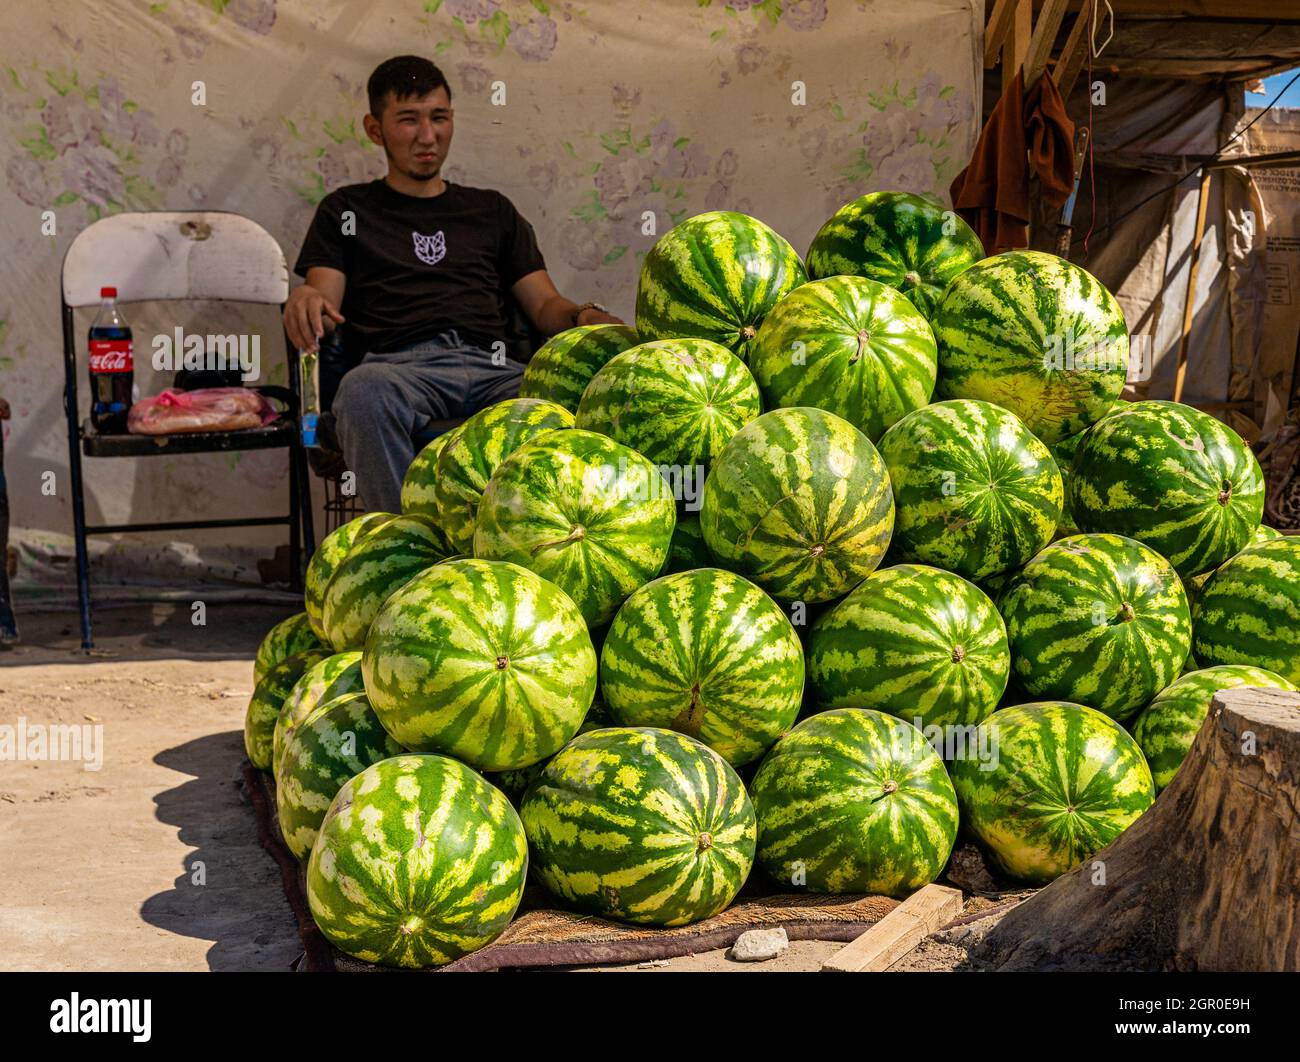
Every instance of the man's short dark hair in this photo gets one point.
(404, 77)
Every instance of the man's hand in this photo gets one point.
(308, 314)
(598, 317)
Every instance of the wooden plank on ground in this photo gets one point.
(898, 932)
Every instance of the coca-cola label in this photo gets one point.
(111, 355)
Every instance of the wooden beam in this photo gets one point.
(1043, 40)
(1189, 305)
(1073, 55)
(995, 33)
(898, 932)
(1017, 43)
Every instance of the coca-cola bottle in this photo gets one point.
(112, 367)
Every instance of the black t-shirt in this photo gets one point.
(416, 267)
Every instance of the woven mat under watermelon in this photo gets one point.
(543, 936)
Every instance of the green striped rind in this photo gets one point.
(1036, 334)
(376, 566)
(688, 549)
(1100, 620)
(1172, 477)
(913, 641)
(640, 825)
(418, 495)
(563, 366)
(1194, 584)
(340, 739)
(289, 636)
(975, 492)
(1248, 612)
(708, 654)
(320, 569)
(419, 861)
(1168, 725)
(591, 515)
(854, 801)
(677, 402)
(1059, 783)
(715, 276)
(848, 345)
(515, 783)
(267, 701)
(482, 660)
(332, 677)
(906, 241)
(1063, 452)
(474, 452)
(799, 502)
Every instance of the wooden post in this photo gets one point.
(1043, 40)
(1189, 306)
(995, 33)
(1017, 43)
(1070, 63)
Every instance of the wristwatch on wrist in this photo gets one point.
(586, 306)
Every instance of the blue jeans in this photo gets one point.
(386, 399)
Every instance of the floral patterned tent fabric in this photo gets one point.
(591, 116)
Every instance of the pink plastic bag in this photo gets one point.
(210, 409)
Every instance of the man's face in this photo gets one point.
(415, 133)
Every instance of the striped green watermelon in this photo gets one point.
(267, 701)
(1170, 476)
(1062, 782)
(418, 862)
(974, 491)
(320, 569)
(705, 653)
(418, 495)
(1194, 584)
(333, 677)
(849, 345)
(1036, 334)
(515, 783)
(915, 642)
(715, 276)
(677, 402)
(640, 825)
(379, 564)
(907, 241)
(482, 660)
(289, 636)
(1248, 612)
(853, 800)
(563, 366)
(799, 502)
(687, 549)
(591, 515)
(475, 450)
(1167, 726)
(339, 739)
(1100, 620)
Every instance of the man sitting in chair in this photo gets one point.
(414, 269)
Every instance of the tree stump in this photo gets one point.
(1207, 879)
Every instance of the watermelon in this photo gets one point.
(1194, 584)
(915, 642)
(289, 636)
(975, 492)
(907, 241)
(1248, 612)
(473, 453)
(418, 495)
(854, 800)
(562, 367)
(640, 825)
(799, 502)
(1167, 726)
(1036, 334)
(339, 739)
(333, 677)
(418, 862)
(590, 514)
(715, 276)
(1170, 476)
(677, 402)
(482, 660)
(849, 345)
(1100, 620)
(1062, 782)
(320, 569)
(687, 549)
(267, 701)
(708, 654)
(515, 783)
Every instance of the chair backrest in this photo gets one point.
(171, 254)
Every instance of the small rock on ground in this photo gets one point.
(759, 945)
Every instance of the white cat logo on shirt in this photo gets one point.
(430, 249)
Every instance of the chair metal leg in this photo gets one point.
(8, 624)
(295, 528)
(79, 530)
(308, 517)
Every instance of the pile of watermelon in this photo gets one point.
(826, 561)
